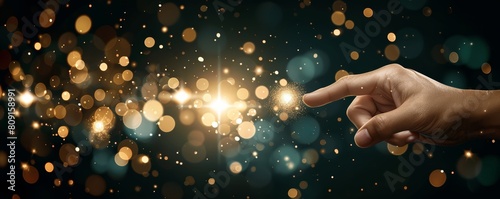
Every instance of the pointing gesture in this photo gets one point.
(400, 106)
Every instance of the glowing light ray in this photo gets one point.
(222, 105)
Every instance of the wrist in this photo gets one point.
(484, 108)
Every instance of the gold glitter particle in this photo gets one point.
(293, 193)
(437, 178)
(368, 12)
(354, 55)
(83, 24)
(248, 48)
(261, 92)
(340, 73)
(189, 35)
(49, 167)
(349, 24)
(203, 8)
(397, 150)
(427, 11)
(63, 131)
(336, 32)
(338, 18)
(486, 68)
(453, 57)
(391, 37)
(149, 42)
(47, 18)
(37, 46)
(235, 167)
(391, 52)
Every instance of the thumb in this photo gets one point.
(382, 126)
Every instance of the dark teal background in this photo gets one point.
(289, 31)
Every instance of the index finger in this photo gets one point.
(361, 84)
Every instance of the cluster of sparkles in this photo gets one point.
(286, 100)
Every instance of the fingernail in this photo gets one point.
(363, 138)
(304, 99)
(412, 138)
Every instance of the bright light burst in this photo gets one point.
(219, 105)
(99, 134)
(286, 99)
(182, 96)
(26, 99)
(98, 126)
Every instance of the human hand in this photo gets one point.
(399, 106)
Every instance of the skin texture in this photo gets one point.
(400, 106)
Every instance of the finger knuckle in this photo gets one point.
(395, 66)
(379, 124)
(350, 111)
(353, 110)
